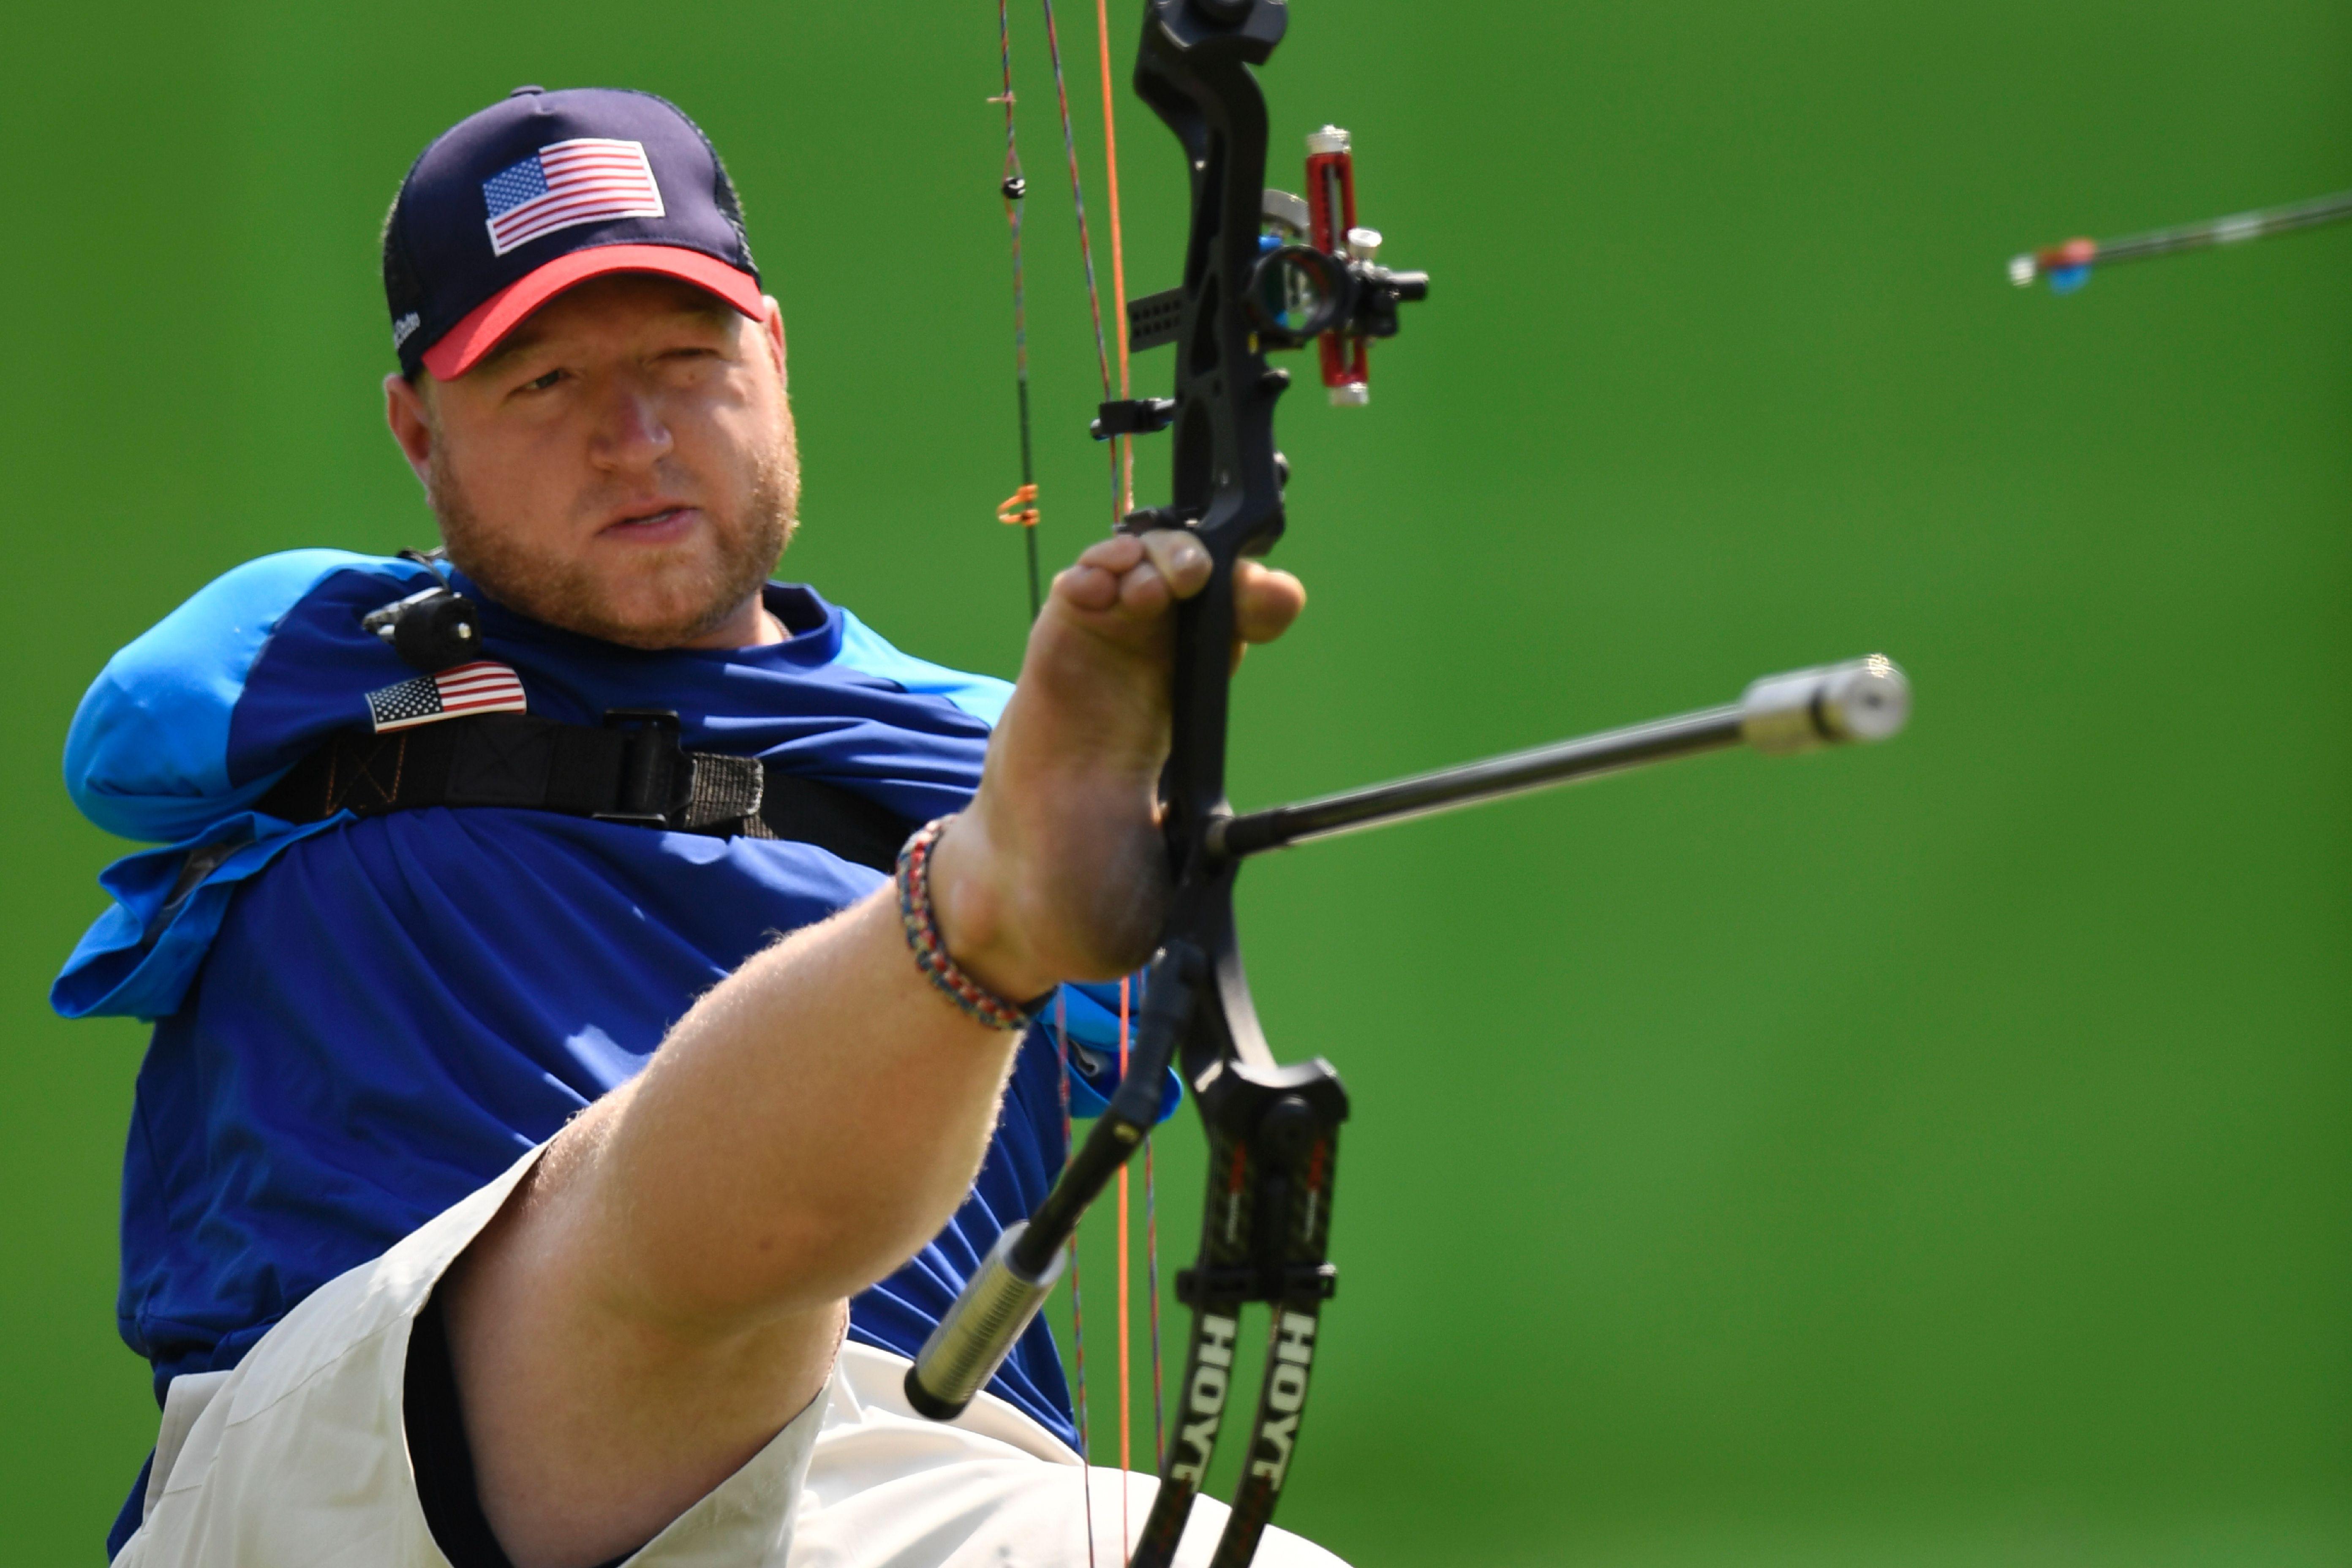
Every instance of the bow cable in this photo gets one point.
(1126, 1351)
(1122, 487)
(1020, 508)
(1085, 239)
(1125, 445)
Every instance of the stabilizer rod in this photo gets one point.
(1862, 700)
(996, 1304)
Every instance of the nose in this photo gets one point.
(630, 431)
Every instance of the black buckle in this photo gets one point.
(654, 782)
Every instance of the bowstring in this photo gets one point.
(1122, 488)
(1122, 493)
(1123, 485)
(1122, 463)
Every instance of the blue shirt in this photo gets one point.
(358, 1022)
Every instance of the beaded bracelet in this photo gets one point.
(922, 927)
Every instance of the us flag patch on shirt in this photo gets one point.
(482, 686)
(584, 180)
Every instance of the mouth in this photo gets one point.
(655, 525)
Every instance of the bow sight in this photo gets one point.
(1263, 271)
(1316, 279)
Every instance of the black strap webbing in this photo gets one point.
(632, 770)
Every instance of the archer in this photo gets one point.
(499, 1191)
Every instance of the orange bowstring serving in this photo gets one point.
(1123, 485)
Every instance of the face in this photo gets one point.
(623, 465)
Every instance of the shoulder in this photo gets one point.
(154, 729)
(222, 625)
(864, 650)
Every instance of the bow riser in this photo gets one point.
(1271, 1130)
(1226, 486)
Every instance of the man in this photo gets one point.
(502, 1189)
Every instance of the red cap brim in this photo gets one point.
(464, 344)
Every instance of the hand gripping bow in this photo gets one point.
(1273, 1131)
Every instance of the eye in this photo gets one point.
(543, 383)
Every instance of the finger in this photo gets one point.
(1265, 600)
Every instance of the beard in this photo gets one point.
(699, 587)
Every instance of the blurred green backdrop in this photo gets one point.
(1931, 1156)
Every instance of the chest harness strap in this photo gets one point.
(631, 770)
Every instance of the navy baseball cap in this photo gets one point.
(544, 190)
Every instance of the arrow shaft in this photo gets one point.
(2260, 223)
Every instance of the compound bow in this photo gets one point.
(1257, 281)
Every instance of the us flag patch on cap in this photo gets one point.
(482, 686)
(585, 179)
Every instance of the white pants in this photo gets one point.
(298, 1459)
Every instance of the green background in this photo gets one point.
(1935, 1155)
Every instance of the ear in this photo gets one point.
(412, 424)
(772, 325)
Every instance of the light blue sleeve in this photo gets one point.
(864, 650)
(141, 956)
(147, 756)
